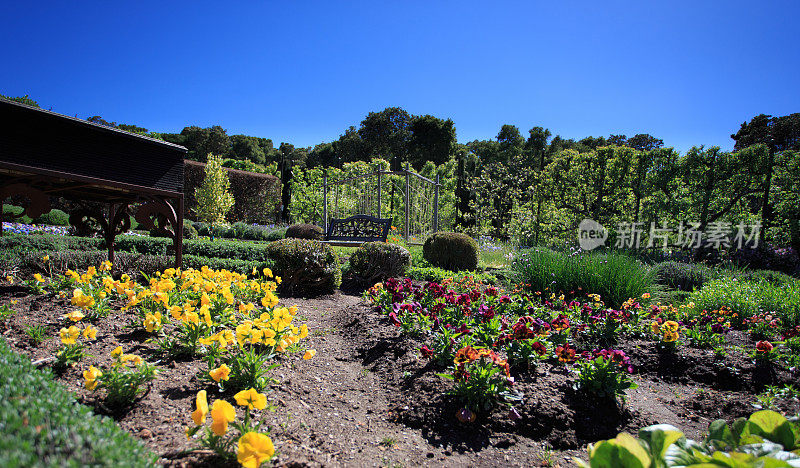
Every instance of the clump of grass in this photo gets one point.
(37, 333)
(614, 277)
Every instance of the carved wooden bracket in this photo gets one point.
(87, 222)
(38, 201)
(159, 215)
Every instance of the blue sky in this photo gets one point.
(302, 72)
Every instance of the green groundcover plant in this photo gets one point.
(765, 439)
(41, 424)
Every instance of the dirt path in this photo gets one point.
(337, 409)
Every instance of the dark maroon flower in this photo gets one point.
(426, 352)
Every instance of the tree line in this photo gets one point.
(536, 188)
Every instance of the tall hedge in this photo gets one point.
(257, 196)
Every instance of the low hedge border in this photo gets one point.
(41, 424)
(438, 275)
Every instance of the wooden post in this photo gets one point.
(179, 235)
(379, 195)
(408, 185)
(110, 230)
(436, 206)
(325, 203)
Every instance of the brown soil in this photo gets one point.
(368, 399)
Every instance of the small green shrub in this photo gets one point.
(43, 425)
(306, 267)
(275, 234)
(9, 210)
(772, 277)
(305, 231)
(53, 218)
(748, 298)
(451, 251)
(377, 261)
(682, 276)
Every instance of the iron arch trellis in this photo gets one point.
(366, 193)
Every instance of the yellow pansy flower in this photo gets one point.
(199, 415)
(222, 413)
(251, 398)
(254, 449)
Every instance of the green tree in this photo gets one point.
(214, 200)
(387, 134)
(432, 139)
(247, 148)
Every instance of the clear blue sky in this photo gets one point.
(686, 71)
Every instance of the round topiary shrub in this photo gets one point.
(376, 261)
(305, 231)
(53, 218)
(451, 251)
(306, 267)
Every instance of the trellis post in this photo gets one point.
(408, 191)
(379, 194)
(436, 206)
(325, 203)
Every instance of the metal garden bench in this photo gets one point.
(355, 230)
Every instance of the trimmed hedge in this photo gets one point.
(438, 275)
(49, 242)
(43, 425)
(227, 249)
(451, 251)
(307, 267)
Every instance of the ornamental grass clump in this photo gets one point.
(250, 447)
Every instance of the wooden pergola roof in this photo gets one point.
(43, 153)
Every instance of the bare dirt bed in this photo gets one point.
(369, 399)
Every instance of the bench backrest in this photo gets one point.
(360, 228)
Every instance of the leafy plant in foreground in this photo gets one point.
(765, 439)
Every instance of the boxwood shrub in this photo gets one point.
(451, 251)
(307, 267)
(54, 217)
(43, 425)
(376, 261)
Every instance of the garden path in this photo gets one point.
(337, 408)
